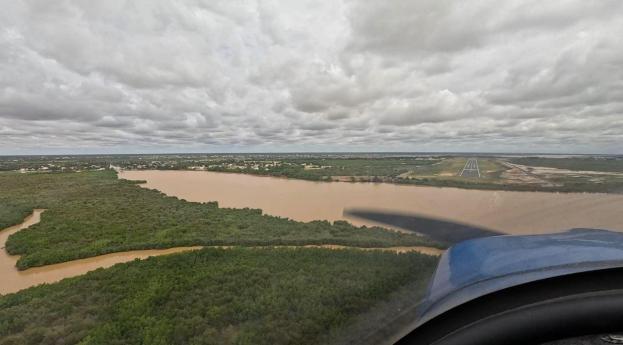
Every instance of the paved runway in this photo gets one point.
(471, 168)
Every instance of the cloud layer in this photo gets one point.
(346, 75)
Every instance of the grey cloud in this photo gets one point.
(436, 26)
(317, 126)
(259, 75)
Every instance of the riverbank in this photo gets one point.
(499, 211)
(15, 280)
(95, 213)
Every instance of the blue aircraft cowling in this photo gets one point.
(478, 267)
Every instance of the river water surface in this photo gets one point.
(503, 211)
(508, 212)
(13, 280)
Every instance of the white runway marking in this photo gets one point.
(471, 168)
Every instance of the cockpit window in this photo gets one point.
(304, 172)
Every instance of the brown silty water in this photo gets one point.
(13, 280)
(508, 212)
(504, 211)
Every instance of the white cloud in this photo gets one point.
(305, 75)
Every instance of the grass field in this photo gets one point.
(496, 174)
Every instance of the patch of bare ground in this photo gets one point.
(556, 171)
(520, 174)
(349, 178)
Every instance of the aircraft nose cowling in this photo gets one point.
(474, 268)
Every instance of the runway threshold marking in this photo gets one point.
(471, 167)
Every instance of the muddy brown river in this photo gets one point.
(508, 212)
(14, 280)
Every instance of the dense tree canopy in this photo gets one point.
(213, 296)
(94, 213)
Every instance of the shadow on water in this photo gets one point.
(439, 230)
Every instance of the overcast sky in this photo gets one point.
(396, 75)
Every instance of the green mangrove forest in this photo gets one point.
(94, 213)
(213, 296)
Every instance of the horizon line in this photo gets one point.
(318, 152)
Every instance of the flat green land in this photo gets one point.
(450, 169)
(213, 296)
(597, 174)
(447, 173)
(316, 169)
(94, 213)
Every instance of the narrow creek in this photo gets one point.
(14, 280)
